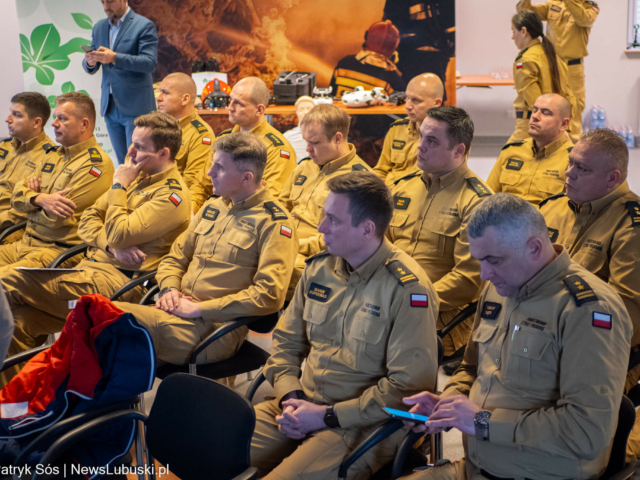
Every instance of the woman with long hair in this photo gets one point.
(536, 71)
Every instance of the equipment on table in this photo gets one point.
(398, 98)
(365, 98)
(291, 85)
(322, 95)
(216, 95)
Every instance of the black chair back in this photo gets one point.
(200, 428)
(265, 324)
(626, 419)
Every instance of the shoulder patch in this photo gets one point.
(407, 177)
(401, 203)
(478, 186)
(175, 199)
(225, 132)
(276, 212)
(402, 273)
(210, 213)
(580, 290)
(490, 310)
(634, 212)
(398, 144)
(173, 184)
(402, 121)
(96, 172)
(552, 197)
(273, 138)
(513, 144)
(285, 154)
(300, 179)
(569, 149)
(206, 140)
(323, 253)
(556, 8)
(46, 147)
(95, 155)
(199, 126)
(553, 234)
(359, 168)
(514, 164)
(3, 153)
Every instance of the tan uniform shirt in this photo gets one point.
(570, 22)
(18, 162)
(550, 364)
(306, 190)
(281, 157)
(150, 215)
(84, 168)
(532, 77)
(604, 237)
(236, 259)
(368, 336)
(430, 224)
(531, 173)
(195, 153)
(399, 152)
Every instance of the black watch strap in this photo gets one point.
(165, 290)
(116, 186)
(330, 418)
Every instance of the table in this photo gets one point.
(483, 81)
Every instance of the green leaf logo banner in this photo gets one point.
(83, 21)
(45, 53)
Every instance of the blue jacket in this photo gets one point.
(130, 79)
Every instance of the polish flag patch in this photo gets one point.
(286, 231)
(175, 199)
(285, 154)
(206, 141)
(419, 300)
(602, 320)
(518, 65)
(96, 172)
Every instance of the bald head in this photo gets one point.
(423, 92)
(558, 103)
(178, 94)
(550, 118)
(258, 91)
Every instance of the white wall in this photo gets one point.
(484, 43)
(11, 80)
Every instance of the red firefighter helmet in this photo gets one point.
(383, 38)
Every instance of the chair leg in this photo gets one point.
(436, 448)
(250, 376)
(140, 443)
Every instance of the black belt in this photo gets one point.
(127, 273)
(575, 61)
(486, 474)
(520, 114)
(58, 244)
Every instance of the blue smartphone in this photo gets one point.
(402, 415)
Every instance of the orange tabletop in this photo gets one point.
(483, 81)
(388, 109)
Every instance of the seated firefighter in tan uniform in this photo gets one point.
(19, 154)
(400, 147)
(234, 260)
(363, 318)
(325, 128)
(533, 169)
(178, 93)
(597, 221)
(432, 208)
(129, 229)
(69, 179)
(248, 100)
(538, 393)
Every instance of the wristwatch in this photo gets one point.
(330, 418)
(481, 422)
(165, 290)
(118, 186)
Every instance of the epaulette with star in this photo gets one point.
(402, 121)
(580, 290)
(323, 253)
(402, 273)
(552, 197)
(513, 144)
(407, 177)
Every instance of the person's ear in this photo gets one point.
(338, 138)
(613, 179)
(261, 108)
(368, 229)
(247, 177)
(534, 248)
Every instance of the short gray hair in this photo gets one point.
(512, 215)
(246, 150)
(611, 146)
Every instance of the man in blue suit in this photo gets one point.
(126, 45)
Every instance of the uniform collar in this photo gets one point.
(77, 149)
(368, 268)
(30, 145)
(532, 43)
(596, 206)
(555, 268)
(184, 121)
(333, 165)
(147, 180)
(249, 202)
(447, 179)
(257, 130)
(550, 149)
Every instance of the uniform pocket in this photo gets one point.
(369, 347)
(399, 219)
(398, 159)
(201, 230)
(594, 262)
(446, 230)
(509, 178)
(552, 187)
(482, 335)
(242, 251)
(315, 314)
(526, 367)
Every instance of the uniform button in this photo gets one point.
(525, 350)
(362, 334)
(310, 315)
(484, 389)
(497, 360)
(566, 245)
(218, 232)
(340, 314)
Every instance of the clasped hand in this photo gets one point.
(52, 203)
(176, 303)
(299, 418)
